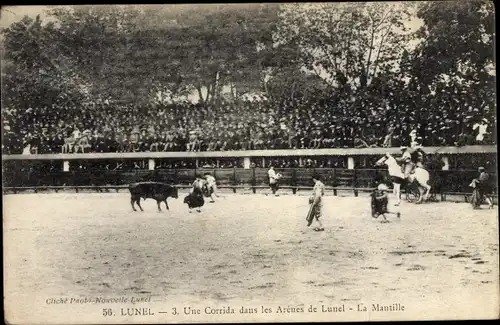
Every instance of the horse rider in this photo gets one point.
(483, 186)
(407, 165)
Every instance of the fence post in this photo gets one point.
(334, 182)
(234, 179)
(350, 163)
(151, 164)
(294, 181)
(254, 181)
(355, 183)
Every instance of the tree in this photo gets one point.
(95, 43)
(457, 39)
(218, 46)
(457, 50)
(31, 71)
(135, 51)
(346, 44)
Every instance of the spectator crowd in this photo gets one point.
(244, 125)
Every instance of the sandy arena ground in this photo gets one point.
(440, 260)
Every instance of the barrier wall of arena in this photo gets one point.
(447, 180)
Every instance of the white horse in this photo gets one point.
(420, 175)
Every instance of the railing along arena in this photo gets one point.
(337, 179)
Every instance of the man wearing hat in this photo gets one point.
(315, 211)
(413, 138)
(418, 156)
(273, 180)
(483, 187)
(406, 161)
(482, 130)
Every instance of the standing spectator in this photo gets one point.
(413, 138)
(388, 138)
(27, 145)
(481, 127)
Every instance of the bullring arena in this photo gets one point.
(245, 250)
(104, 105)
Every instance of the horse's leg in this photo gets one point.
(166, 204)
(426, 178)
(421, 191)
(422, 177)
(428, 192)
(158, 203)
(397, 193)
(489, 200)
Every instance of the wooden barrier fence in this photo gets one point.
(295, 179)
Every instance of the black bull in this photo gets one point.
(152, 190)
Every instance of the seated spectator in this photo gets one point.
(134, 140)
(57, 143)
(122, 140)
(303, 122)
(193, 142)
(69, 143)
(99, 143)
(155, 143)
(83, 143)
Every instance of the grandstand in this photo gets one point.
(230, 126)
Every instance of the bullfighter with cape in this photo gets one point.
(316, 203)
